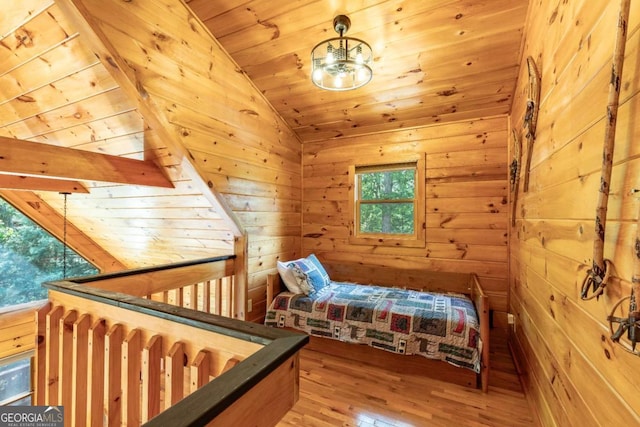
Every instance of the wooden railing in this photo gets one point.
(118, 357)
(209, 285)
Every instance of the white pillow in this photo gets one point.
(288, 277)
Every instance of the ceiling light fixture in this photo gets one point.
(341, 63)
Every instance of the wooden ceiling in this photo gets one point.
(435, 60)
(68, 126)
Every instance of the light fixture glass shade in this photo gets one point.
(341, 63)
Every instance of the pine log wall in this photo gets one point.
(575, 374)
(466, 200)
(239, 144)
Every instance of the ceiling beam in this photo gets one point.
(36, 209)
(17, 182)
(77, 12)
(20, 157)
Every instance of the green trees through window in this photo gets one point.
(386, 201)
(30, 256)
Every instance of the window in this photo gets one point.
(16, 387)
(30, 256)
(387, 204)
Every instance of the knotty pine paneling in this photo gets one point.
(467, 212)
(61, 86)
(238, 143)
(573, 371)
(438, 60)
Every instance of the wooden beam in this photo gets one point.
(77, 12)
(31, 205)
(18, 182)
(22, 157)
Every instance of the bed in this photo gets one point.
(439, 327)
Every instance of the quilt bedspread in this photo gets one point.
(437, 326)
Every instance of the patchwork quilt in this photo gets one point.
(437, 326)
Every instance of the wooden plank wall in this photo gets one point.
(575, 374)
(56, 91)
(466, 200)
(17, 334)
(233, 136)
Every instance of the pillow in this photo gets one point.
(308, 273)
(286, 274)
(319, 277)
(302, 280)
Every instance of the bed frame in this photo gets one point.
(466, 283)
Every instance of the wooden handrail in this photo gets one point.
(211, 285)
(148, 280)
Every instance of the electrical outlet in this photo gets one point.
(511, 319)
(249, 305)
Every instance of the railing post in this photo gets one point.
(240, 282)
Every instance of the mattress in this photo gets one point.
(433, 325)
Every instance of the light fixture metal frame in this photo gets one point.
(325, 74)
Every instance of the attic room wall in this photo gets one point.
(466, 200)
(575, 374)
(237, 142)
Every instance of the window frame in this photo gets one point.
(418, 238)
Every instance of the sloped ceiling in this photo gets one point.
(134, 199)
(139, 198)
(434, 60)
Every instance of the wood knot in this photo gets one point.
(250, 112)
(448, 92)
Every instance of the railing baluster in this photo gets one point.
(193, 297)
(79, 371)
(40, 357)
(180, 297)
(113, 390)
(217, 305)
(231, 299)
(65, 369)
(131, 370)
(174, 375)
(226, 297)
(95, 373)
(206, 296)
(200, 370)
(229, 364)
(151, 357)
(52, 355)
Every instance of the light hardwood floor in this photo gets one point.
(336, 392)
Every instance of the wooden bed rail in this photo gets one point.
(116, 359)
